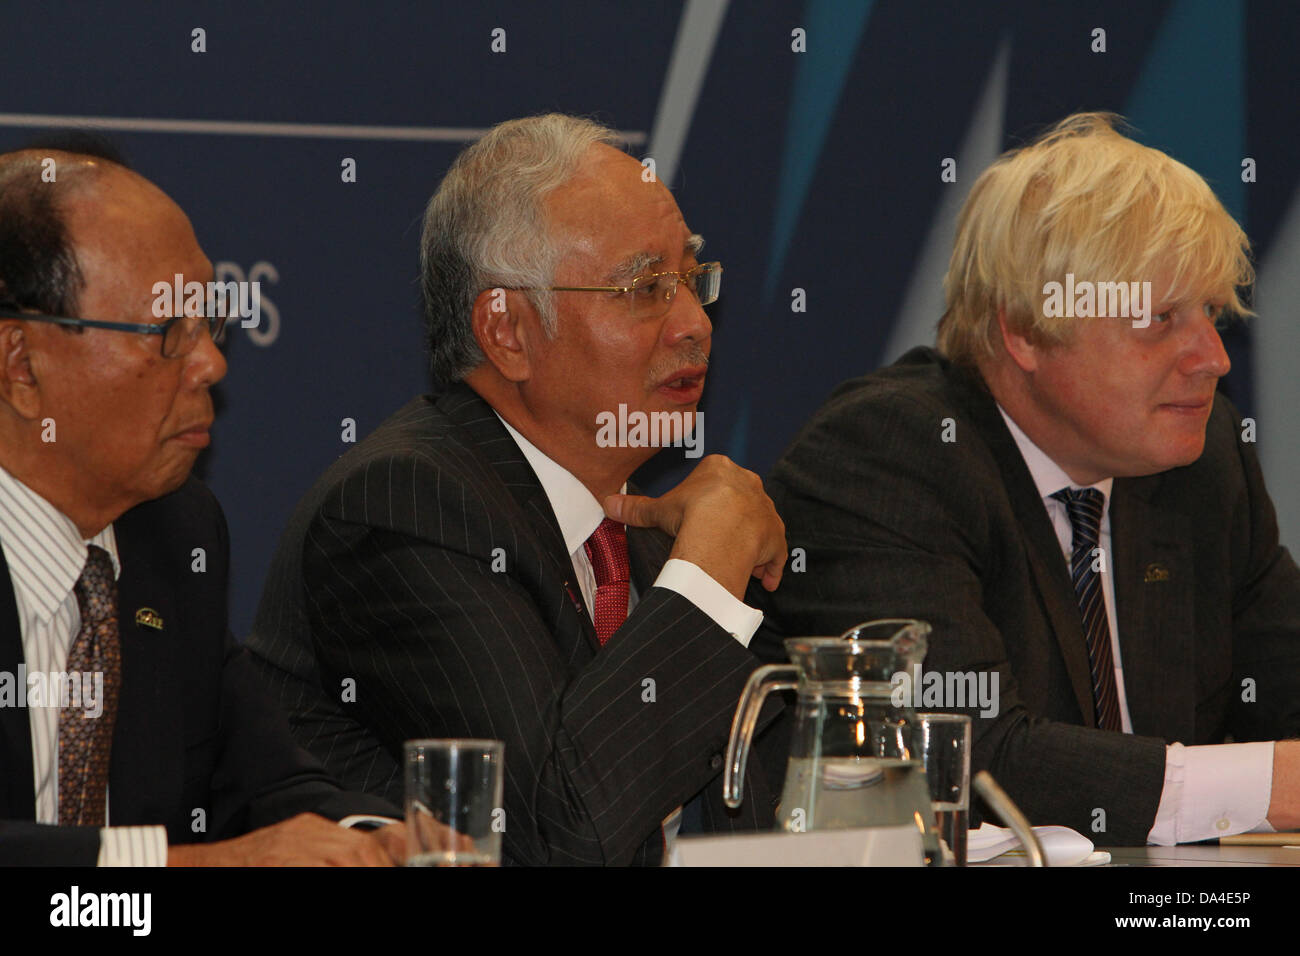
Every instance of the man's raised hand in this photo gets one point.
(723, 521)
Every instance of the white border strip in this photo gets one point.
(435, 134)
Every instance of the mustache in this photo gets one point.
(692, 354)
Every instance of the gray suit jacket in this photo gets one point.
(427, 565)
(898, 522)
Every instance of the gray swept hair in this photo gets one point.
(485, 228)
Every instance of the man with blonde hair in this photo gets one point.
(1060, 492)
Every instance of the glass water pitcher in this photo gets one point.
(855, 751)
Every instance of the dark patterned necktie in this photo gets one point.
(86, 740)
(1084, 506)
(607, 551)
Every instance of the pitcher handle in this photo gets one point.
(1011, 815)
(760, 683)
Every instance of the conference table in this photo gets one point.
(1205, 854)
(894, 846)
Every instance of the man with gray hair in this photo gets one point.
(477, 567)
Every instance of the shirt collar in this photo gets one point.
(576, 509)
(43, 548)
(1049, 477)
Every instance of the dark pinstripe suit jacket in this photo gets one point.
(386, 576)
(897, 522)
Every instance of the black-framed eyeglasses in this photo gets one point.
(179, 335)
(650, 296)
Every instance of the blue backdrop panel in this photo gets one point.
(817, 170)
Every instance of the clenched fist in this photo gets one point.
(723, 521)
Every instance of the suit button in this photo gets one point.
(715, 762)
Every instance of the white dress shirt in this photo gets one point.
(46, 555)
(1210, 790)
(578, 514)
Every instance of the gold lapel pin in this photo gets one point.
(1155, 573)
(148, 617)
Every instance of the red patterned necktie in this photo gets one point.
(86, 740)
(607, 551)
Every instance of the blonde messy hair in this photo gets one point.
(1086, 200)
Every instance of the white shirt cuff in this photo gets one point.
(132, 846)
(356, 818)
(1213, 791)
(693, 583)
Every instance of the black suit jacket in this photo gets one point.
(427, 566)
(896, 521)
(195, 729)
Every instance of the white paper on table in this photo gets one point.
(998, 846)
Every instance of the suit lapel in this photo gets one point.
(143, 744)
(1062, 606)
(1152, 570)
(148, 748)
(1042, 547)
(17, 788)
(560, 597)
(648, 549)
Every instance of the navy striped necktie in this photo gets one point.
(1084, 506)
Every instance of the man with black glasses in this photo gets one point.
(132, 728)
(474, 568)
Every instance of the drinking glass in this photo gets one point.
(946, 754)
(454, 815)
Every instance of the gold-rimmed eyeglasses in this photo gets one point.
(650, 296)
